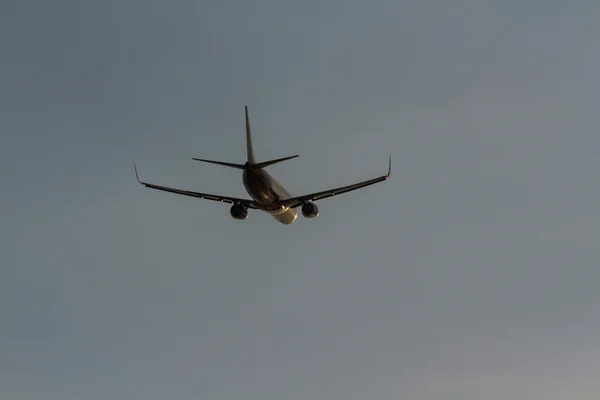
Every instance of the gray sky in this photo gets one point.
(471, 274)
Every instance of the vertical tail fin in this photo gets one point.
(249, 149)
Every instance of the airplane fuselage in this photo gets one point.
(266, 191)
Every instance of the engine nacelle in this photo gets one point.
(238, 211)
(310, 210)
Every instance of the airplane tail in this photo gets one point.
(250, 154)
(251, 160)
(249, 150)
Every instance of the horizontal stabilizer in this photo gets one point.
(225, 164)
(271, 162)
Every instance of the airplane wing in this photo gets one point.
(223, 199)
(298, 201)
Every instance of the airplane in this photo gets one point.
(267, 194)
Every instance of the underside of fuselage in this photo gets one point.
(268, 193)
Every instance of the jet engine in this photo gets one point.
(310, 210)
(238, 211)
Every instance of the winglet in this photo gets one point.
(136, 173)
(389, 167)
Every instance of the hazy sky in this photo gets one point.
(472, 274)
